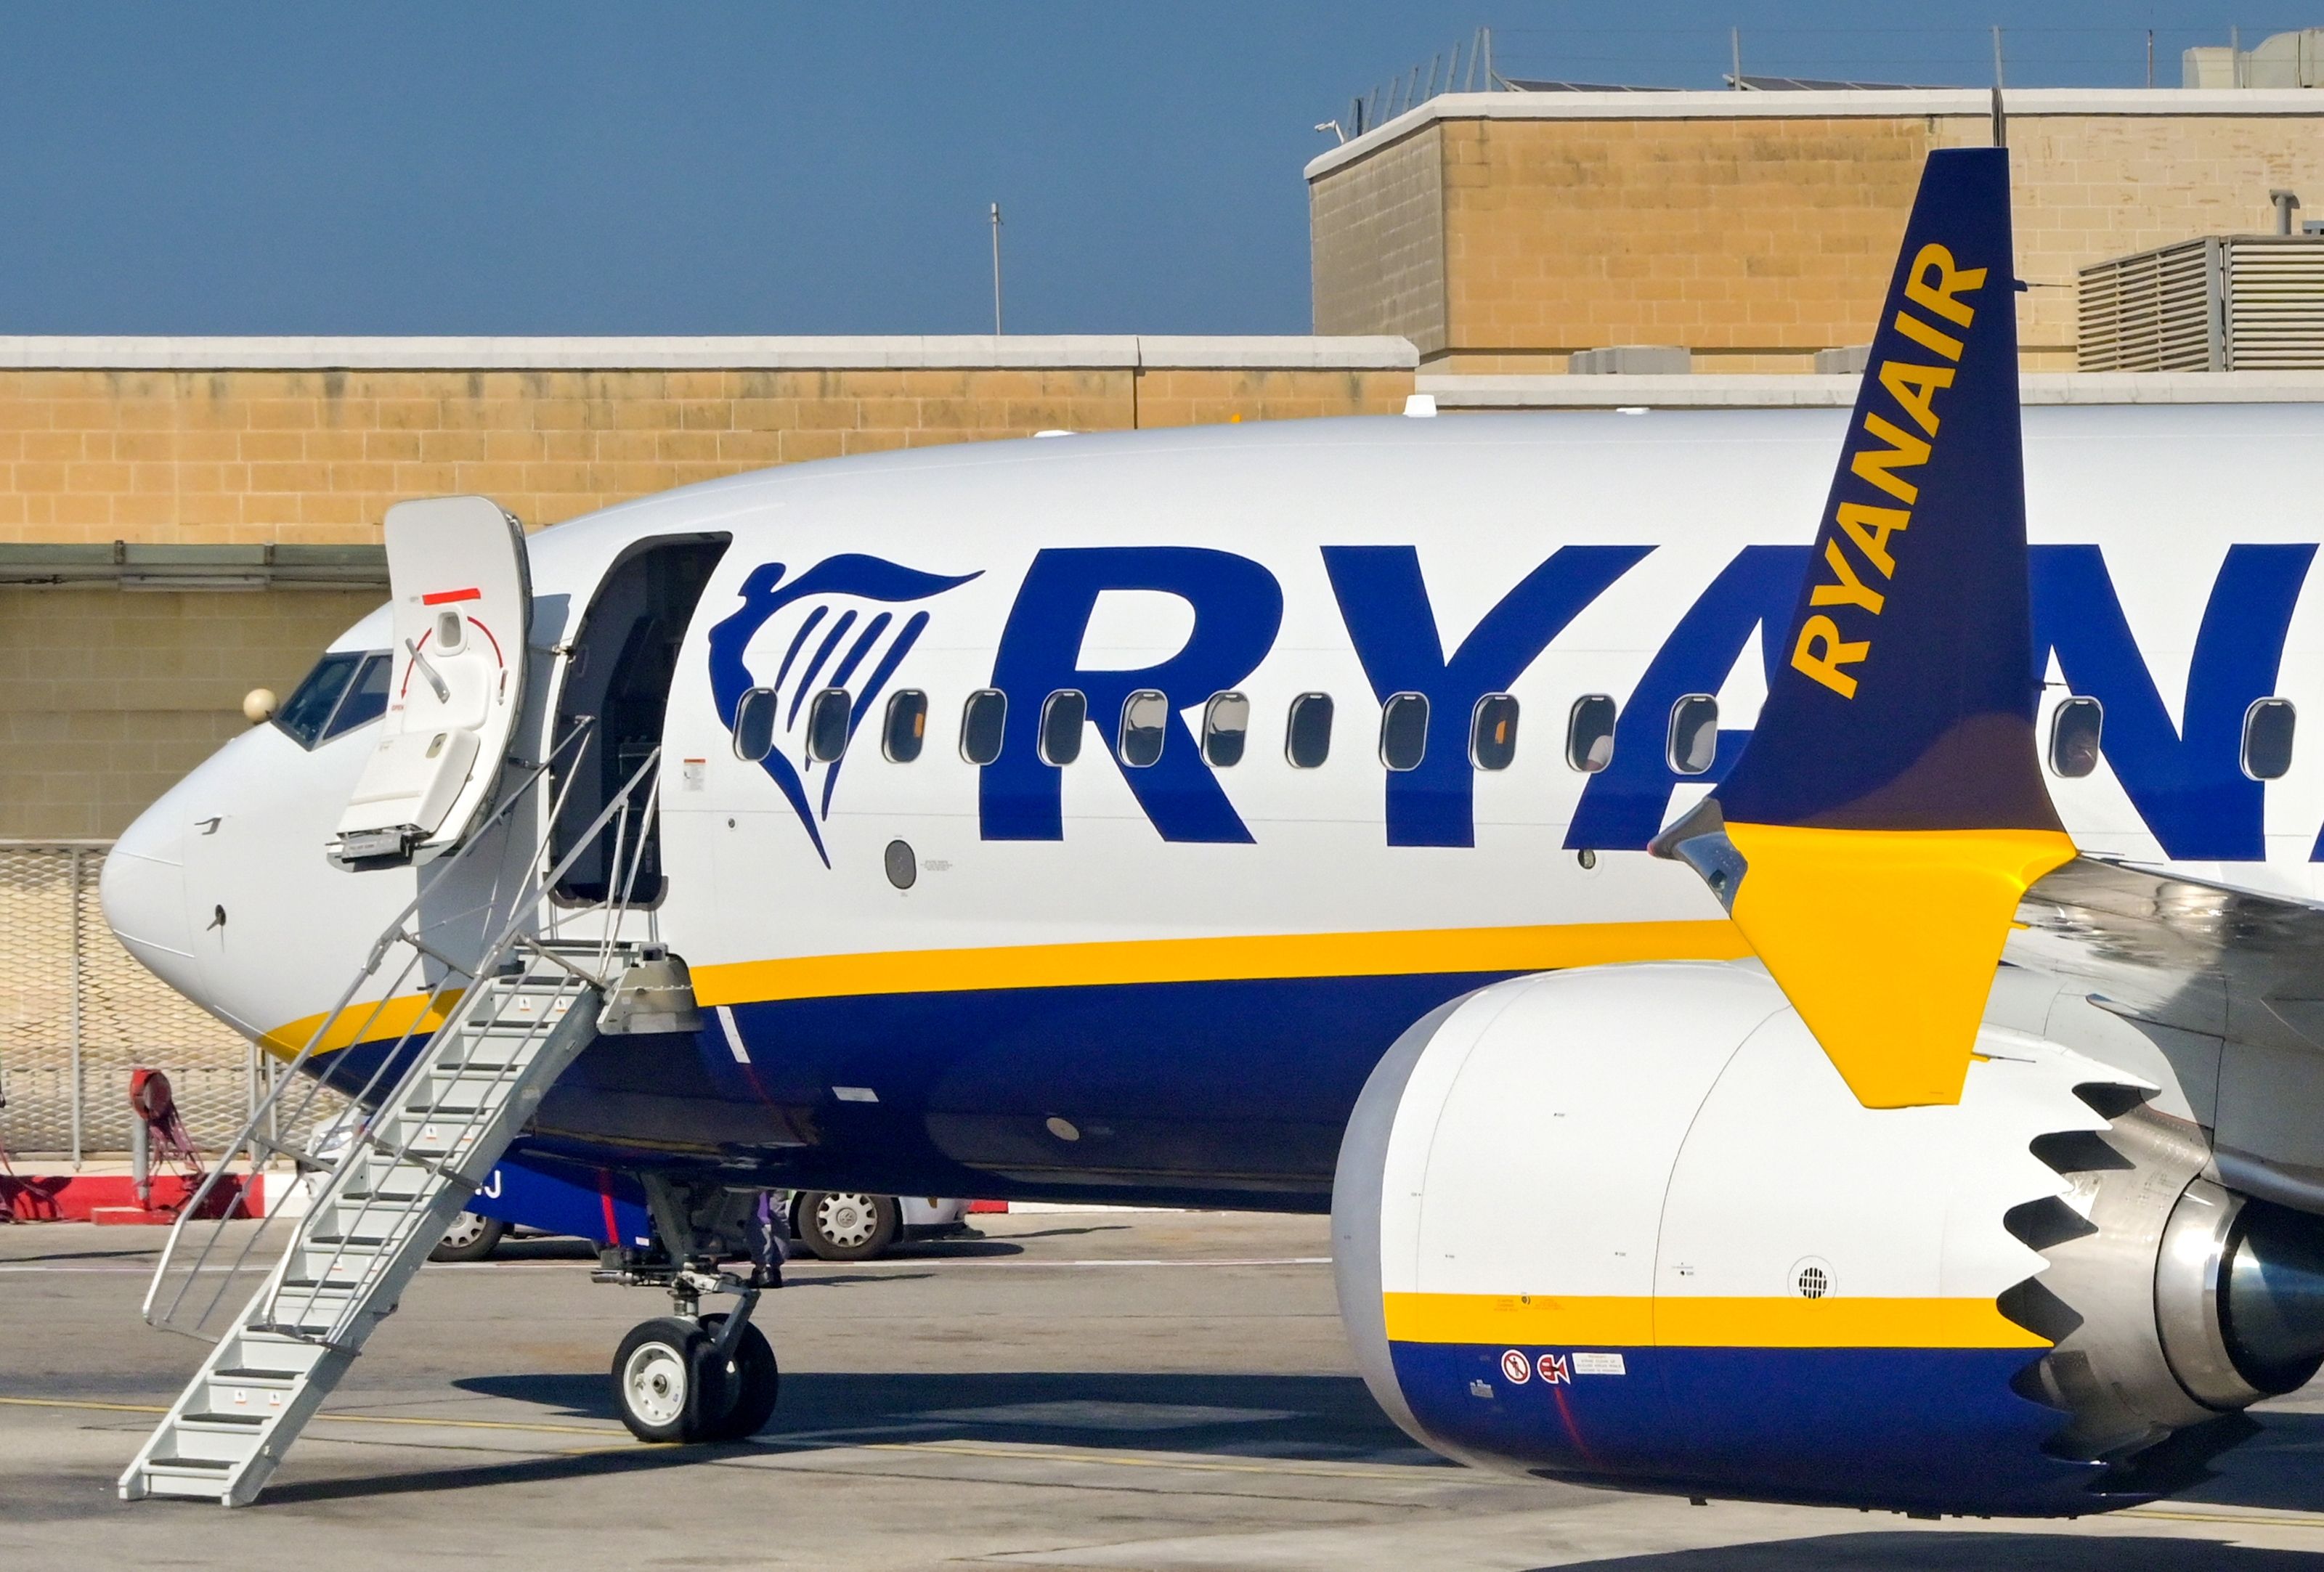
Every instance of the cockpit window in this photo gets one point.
(343, 691)
(366, 699)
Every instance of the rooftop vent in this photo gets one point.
(2224, 303)
(1631, 360)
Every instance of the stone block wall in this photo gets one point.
(108, 696)
(1755, 235)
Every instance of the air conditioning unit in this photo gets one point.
(2223, 303)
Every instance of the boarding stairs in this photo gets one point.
(449, 1103)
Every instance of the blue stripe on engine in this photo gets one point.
(1937, 1429)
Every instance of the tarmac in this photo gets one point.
(1155, 1391)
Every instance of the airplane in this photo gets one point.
(1823, 1023)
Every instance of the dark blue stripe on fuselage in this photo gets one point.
(1225, 1093)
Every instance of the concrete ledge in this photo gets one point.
(1875, 103)
(962, 352)
(122, 565)
(1708, 391)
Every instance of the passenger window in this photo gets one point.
(1061, 726)
(312, 702)
(1693, 735)
(1403, 731)
(366, 699)
(1589, 734)
(754, 725)
(2267, 739)
(1307, 740)
(1226, 727)
(907, 726)
(827, 726)
(982, 723)
(2075, 731)
(1144, 716)
(1493, 732)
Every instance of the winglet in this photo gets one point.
(1875, 838)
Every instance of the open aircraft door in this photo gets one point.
(462, 609)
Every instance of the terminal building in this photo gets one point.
(1750, 232)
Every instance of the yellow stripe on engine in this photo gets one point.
(1689, 1321)
(1233, 957)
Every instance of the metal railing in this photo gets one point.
(78, 1013)
(367, 1012)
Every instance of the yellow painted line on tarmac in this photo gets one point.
(1111, 1460)
(2258, 1518)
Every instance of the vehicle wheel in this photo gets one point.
(752, 1380)
(469, 1239)
(845, 1225)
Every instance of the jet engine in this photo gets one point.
(1627, 1226)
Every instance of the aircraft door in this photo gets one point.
(462, 609)
(617, 681)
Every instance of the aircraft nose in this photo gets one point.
(142, 890)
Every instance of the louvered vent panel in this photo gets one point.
(2275, 303)
(2155, 311)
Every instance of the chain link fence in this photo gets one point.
(78, 1013)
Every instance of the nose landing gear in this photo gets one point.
(690, 1377)
(709, 1379)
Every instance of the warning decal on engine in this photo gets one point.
(1598, 1364)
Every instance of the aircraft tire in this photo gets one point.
(751, 1385)
(658, 1383)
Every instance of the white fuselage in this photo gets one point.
(1097, 555)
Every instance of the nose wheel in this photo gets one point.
(677, 1380)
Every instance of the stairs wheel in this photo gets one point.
(750, 1385)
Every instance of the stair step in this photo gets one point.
(250, 1423)
(265, 1379)
(210, 1468)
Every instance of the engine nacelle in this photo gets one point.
(1627, 1226)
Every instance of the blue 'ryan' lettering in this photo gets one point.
(1238, 607)
(1385, 603)
(2186, 782)
(1623, 805)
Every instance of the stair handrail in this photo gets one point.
(399, 1215)
(287, 1078)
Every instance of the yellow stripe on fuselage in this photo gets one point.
(1238, 958)
(363, 1023)
(1685, 1322)
(1235, 958)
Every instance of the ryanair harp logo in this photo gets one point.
(843, 625)
(1896, 448)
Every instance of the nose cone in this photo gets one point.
(143, 889)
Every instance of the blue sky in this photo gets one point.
(772, 168)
